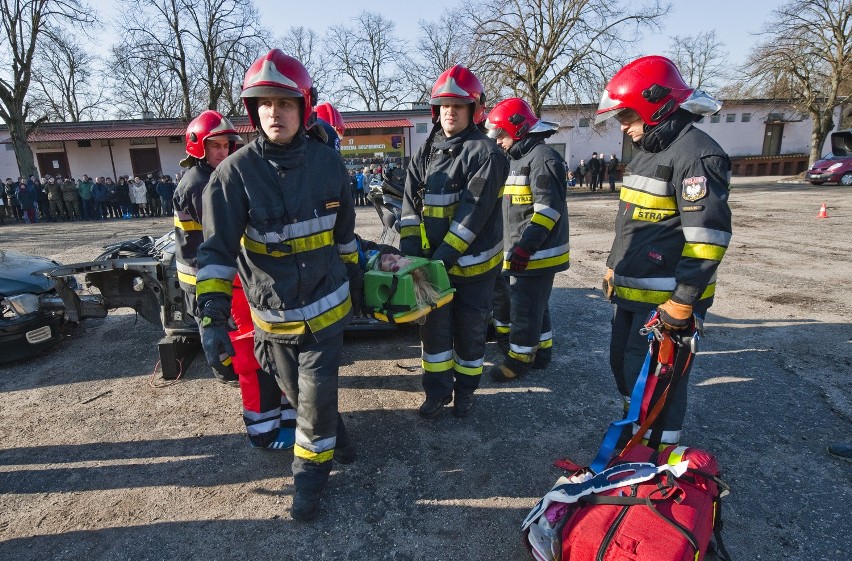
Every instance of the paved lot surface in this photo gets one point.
(97, 464)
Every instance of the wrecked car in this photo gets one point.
(140, 274)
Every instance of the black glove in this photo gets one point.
(356, 287)
(216, 322)
(519, 258)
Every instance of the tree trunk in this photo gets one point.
(823, 123)
(23, 153)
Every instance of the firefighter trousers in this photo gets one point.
(306, 372)
(627, 351)
(522, 320)
(453, 341)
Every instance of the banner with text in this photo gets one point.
(374, 145)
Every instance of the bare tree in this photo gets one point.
(156, 34)
(218, 28)
(242, 55)
(140, 88)
(555, 50)
(701, 59)
(367, 59)
(437, 50)
(806, 54)
(24, 22)
(303, 44)
(65, 88)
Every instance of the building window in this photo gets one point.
(584, 122)
(142, 141)
(714, 118)
(84, 143)
(175, 139)
(700, 119)
(746, 117)
(775, 117)
(421, 128)
(731, 118)
(9, 147)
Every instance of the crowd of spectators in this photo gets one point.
(65, 199)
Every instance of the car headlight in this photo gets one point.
(23, 304)
(834, 166)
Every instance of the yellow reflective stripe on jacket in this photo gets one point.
(330, 317)
(454, 241)
(543, 220)
(703, 251)
(517, 190)
(186, 278)
(477, 268)
(187, 225)
(297, 245)
(647, 200)
(280, 328)
(655, 296)
(317, 457)
(349, 257)
(210, 286)
(548, 262)
(440, 211)
(409, 232)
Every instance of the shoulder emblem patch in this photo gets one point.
(694, 188)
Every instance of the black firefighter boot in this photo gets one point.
(305, 505)
(542, 358)
(510, 370)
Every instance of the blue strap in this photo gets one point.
(607, 449)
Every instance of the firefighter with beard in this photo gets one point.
(279, 211)
(451, 213)
(535, 234)
(673, 224)
(210, 138)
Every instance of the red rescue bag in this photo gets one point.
(666, 518)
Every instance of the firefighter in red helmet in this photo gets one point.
(279, 211)
(674, 223)
(332, 116)
(451, 213)
(535, 237)
(210, 138)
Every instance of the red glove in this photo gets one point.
(519, 258)
(674, 316)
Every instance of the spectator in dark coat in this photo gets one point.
(612, 171)
(580, 172)
(594, 171)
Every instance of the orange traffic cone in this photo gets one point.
(823, 213)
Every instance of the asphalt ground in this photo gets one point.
(100, 461)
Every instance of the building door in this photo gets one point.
(53, 163)
(772, 139)
(145, 161)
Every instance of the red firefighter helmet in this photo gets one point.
(458, 84)
(652, 86)
(515, 117)
(330, 115)
(208, 124)
(278, 75)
